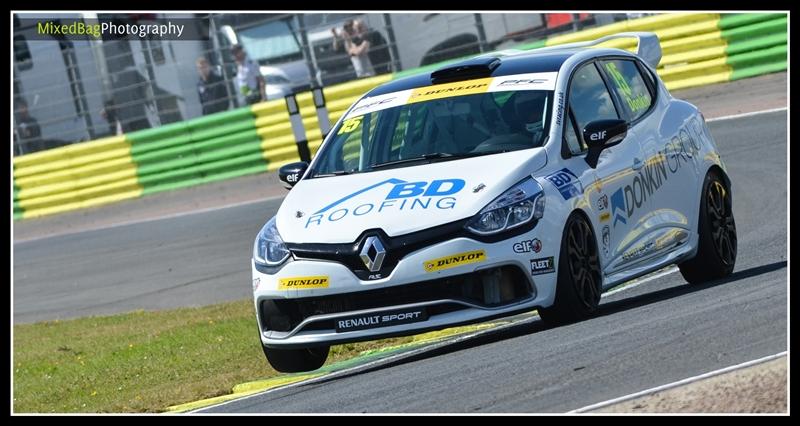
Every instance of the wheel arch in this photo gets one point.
(715, 168)
(581, 212)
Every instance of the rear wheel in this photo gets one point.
(578, 287)
(296, 360)
(716, 251)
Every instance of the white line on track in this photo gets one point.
(746, 114)
(678, 383)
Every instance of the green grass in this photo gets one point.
(144, 361)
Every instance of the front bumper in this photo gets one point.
(500, 284)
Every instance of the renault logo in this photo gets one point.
(372, 253)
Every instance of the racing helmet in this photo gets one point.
(529, 110)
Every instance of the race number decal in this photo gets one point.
(350, 125)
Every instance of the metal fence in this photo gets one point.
(67, 91)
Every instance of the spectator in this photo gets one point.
(28, 130)
(131, 99)
(355, 46)
(109, 113)
(249, 80)
(378, 50)
(210, 88)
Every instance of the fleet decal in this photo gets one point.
(515, 82)
(452, 261)
(527, 246)
(567, 183)
(301, 283)
(544, 265)
(605, 217)
(606, 239)
(652, 176)
(401, 195)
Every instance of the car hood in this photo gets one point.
(398, 201)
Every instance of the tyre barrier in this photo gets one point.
(697, 49)
(707, 48)
(244, 141)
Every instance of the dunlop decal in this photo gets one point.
(452, 261)
(300, 283)
(505, 83)
(439, 91)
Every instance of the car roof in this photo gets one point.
(526, 62)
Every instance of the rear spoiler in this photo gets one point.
(648, 48)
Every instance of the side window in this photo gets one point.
(630, 87)
(589, 99)
(573, 142)
(649, 76)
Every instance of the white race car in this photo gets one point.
(506, 183)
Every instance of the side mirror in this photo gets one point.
(291, 173)
(602, 134)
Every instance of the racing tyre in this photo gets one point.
(716, 251)
(296, 360)
(578, 286)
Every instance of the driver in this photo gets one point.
(523, 112)
(529, 111)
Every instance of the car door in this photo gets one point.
(662, 184)
(616, 226)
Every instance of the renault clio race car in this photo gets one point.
(506, 183)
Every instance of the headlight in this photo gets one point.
(269, 248)
(517, 206)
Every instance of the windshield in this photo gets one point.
(423, 131)
(269, 40)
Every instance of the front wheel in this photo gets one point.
(716, 251)
(578, 285)
(296, 360)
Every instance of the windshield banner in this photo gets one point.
(515, 82)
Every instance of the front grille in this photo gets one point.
(397, 247)
(284, 315)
